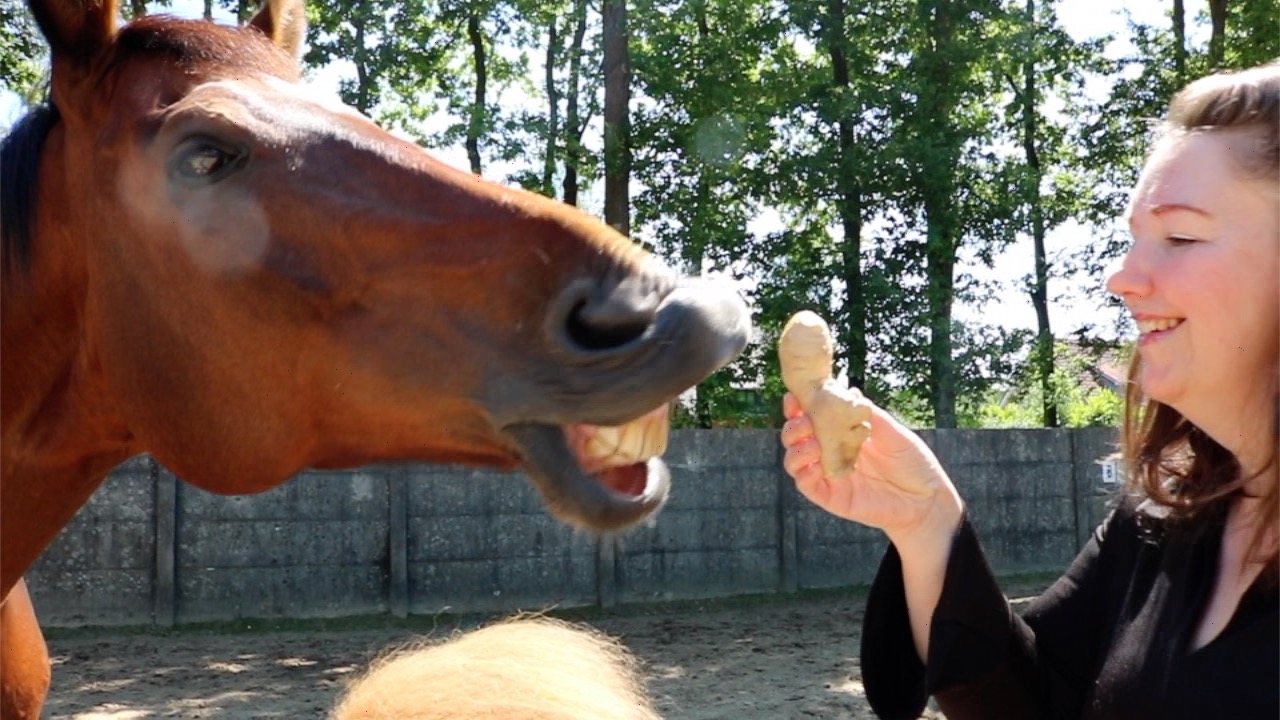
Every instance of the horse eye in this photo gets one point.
(204, 161)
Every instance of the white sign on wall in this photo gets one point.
(1110, 472)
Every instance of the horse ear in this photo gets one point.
(76, 29)
(285, 22)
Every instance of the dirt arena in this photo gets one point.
(771, 658)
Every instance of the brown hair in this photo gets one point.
(1172, 462)
(528, 668)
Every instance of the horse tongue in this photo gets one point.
(630, 480)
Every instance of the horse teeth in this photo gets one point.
(634, 442)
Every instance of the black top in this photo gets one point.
(1108, 640)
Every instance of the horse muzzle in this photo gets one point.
(592, 440)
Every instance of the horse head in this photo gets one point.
(244, 278)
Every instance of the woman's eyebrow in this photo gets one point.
(1166, 207)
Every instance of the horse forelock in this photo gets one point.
(196, 43)
(19, 166)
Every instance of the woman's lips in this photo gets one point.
(1151, 329)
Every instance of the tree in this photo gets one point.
(575, 154)
(848, 189)
(1250, 33)
(22, 53)
(569, 99)
(479, 67)
(1029, 100)
(1052, 64)
(700, 125)
(617, 120)
(940, 114)
(396, 49)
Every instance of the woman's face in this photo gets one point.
(1202, 278)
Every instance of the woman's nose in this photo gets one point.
(1129, 279)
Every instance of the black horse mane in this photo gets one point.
(19, 165)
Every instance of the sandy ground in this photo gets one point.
(792, 657)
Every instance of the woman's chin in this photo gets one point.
(1160, 385)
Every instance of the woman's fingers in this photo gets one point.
(810, 481)
(801, 455)
(791, 406)
(796, 430)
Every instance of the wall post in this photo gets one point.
(164, 585)
(788, 550)
(398, 541)
(606, 570)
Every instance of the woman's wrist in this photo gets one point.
(934, 532)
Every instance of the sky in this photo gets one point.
(1070, 308)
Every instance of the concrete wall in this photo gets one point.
(422, 539)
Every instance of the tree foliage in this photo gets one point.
(21, 52)
(865, 160)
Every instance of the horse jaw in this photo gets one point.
(608, 492)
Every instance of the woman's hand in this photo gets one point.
(897, 484)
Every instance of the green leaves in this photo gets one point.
(865, 160)
(21, 53)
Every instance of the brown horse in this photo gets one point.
(205, 262)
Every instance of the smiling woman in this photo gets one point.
(1202, 280)
(1172, 609)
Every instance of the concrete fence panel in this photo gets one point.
(402, 539)
(100, 569)
(313, 547)
(480, 540)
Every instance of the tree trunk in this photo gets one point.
(1179, 43)
(617, 100)
(366, 81)
(137, 8)
(573, 124)
(1044, 360)
(208, 9)
(1218, 34)
(693, 249)
(553, 111)
(941, 253)
(938, 187)
(852, 332)
(475, 125)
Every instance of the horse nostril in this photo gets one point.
(595, 328)
(609, 318)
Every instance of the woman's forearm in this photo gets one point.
(924, 553)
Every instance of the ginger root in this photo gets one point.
(841, 415)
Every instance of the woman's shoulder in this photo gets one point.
(1129, 514)
(1133, 521)
(1137, 522)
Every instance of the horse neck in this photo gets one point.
(59, 432)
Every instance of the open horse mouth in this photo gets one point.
(591, 441)
(599, 477)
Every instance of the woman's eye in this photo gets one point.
(1181, 239)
